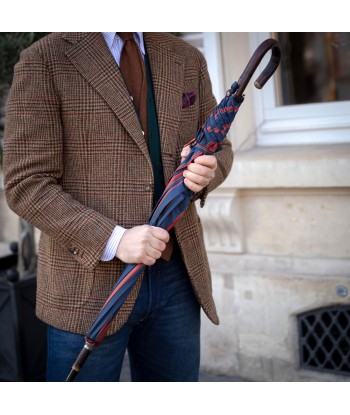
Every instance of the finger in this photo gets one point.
(160, 233)
(157, 244)
(185, 152)
(147, 260)
(196, 178)
(153, 253)
(201, 170)
(193, 186)
(209, 161)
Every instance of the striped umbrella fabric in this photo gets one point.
(176, 196)
(168, 211)
(170, 207)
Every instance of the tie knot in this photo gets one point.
(126, 35)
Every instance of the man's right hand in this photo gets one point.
(142, 244)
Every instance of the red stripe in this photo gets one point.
(175, 221)
(169, 188)
(117, 288)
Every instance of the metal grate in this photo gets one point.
(324, 340)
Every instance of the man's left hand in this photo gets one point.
(199, 173)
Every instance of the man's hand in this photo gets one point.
(199, 173)
(142, 244)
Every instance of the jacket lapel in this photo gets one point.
(167, 69)
(92, 58)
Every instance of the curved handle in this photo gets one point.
(266, 74)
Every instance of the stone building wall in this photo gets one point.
(281, 246)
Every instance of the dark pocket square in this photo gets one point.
(188, 99)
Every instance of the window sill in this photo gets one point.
(313, 166)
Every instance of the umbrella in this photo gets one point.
(176, 196)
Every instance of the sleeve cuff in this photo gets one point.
(113, 243)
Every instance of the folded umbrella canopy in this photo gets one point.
(177, 196)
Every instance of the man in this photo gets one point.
(96, 125)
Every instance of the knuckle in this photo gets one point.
(163, 234)
(152, 261)
(146, 229)
(189, 184)
(145, 235)
(141, 255)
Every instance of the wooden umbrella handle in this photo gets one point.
(260, 52)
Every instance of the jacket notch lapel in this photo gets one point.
(92, 58)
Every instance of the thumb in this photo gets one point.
(185, 152)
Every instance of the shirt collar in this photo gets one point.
(111, 36)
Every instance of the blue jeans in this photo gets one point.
(162, 335)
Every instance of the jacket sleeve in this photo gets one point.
(33, 165)
(225, 156)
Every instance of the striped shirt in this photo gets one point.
(115, 45)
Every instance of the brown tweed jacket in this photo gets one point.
(76, 164)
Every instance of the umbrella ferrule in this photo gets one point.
(89, 346)
(83, 355)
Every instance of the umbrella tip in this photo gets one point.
(257, 85)
(72, 375)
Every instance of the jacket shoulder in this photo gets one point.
(46, 48)
(180, 46)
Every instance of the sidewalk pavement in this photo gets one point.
(203, 376)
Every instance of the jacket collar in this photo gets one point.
(112, 37)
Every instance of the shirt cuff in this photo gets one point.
(113, 243)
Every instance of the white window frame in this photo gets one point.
(213, 56)
(212, 52)
(323, 123)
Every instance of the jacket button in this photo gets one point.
(73, 251)
(148, 188)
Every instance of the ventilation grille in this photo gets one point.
(324, 338)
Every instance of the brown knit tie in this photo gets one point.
(133, 70)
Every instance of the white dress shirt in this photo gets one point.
(115, 45)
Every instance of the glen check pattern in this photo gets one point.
(76, 165)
